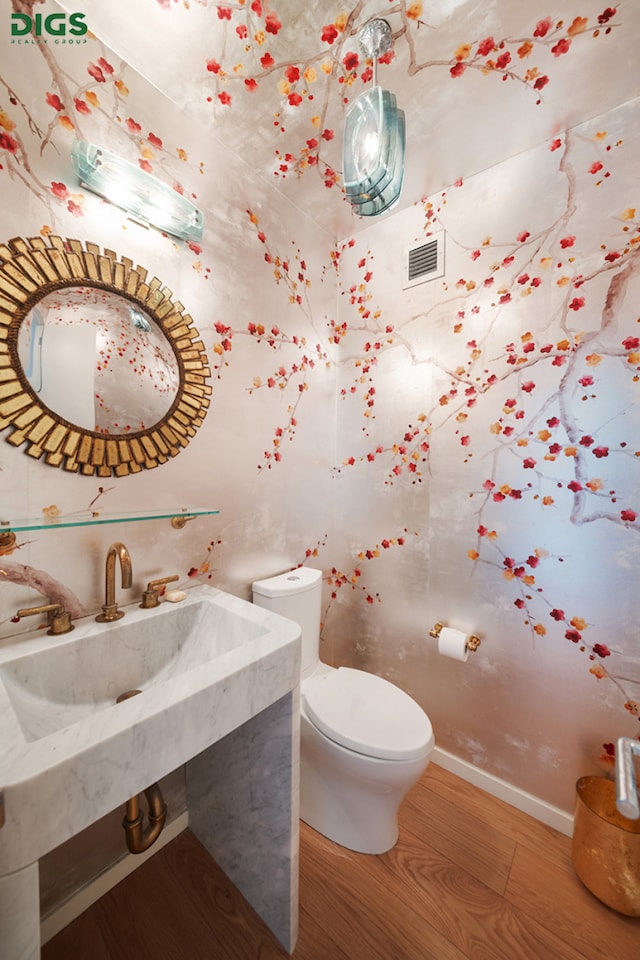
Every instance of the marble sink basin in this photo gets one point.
(69, 753)
(53, 686)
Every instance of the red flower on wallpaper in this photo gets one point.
(601, 650)
(329, 33)
(154, 141)
(543, 27)
(225, 98)
(213, 66)
(607, 14)
(96, 73)
(99, 69)
(629, 516)
(8, 143)
(562, 46)
(59, 190)
(224, 13)
(267, 60)
(485, 47)
(54, 101)
(272, 23)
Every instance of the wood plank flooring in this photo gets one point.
(471, 878)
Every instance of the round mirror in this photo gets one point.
(98, 361)
(100, 370)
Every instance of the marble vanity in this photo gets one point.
(219, 680)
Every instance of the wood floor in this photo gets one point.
(471, 878)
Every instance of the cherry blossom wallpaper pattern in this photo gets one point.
(264, 522)
(271, 79)
(492, 415)
(465, 448)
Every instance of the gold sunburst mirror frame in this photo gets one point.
(31, 269)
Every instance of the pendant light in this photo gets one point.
(373, 145)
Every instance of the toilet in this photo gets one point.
(363, 741)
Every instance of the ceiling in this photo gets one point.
(479, 80)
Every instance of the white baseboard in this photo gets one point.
(534, 806)
(80, 901)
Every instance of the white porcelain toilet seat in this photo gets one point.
(367, 714)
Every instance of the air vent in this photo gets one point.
(424, 260)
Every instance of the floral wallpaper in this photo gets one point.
(464, 450)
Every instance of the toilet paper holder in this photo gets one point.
(473, 642)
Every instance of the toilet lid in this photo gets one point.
(367, 714)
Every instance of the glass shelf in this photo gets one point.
(86, 518)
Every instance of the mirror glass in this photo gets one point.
(102, 372)
(98, 360)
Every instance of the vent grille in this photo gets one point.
(424, 261)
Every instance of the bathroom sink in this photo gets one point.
(69, 753)
(59, 684)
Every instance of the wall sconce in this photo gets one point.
(373, 146)
(144, 197)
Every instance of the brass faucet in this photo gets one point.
(110, 610)
(57, 617)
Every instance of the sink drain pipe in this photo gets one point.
(138, 837)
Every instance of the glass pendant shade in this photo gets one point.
(143, 196)
(388, 192)
(373, 152)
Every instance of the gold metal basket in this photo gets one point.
(606, 846)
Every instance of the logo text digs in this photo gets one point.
(60, 27)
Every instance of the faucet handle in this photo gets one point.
(57, 617)
(151, 596)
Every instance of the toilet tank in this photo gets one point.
(296, 595)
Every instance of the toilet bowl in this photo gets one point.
(363, 741)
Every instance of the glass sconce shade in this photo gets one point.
(389, 190)
(368, 135)
(140, 194)
(373, 152)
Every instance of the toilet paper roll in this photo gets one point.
(453, 643)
